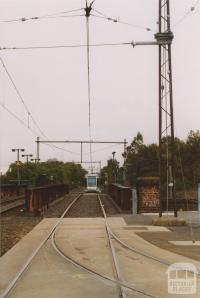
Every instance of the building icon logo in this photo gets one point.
(182, 279)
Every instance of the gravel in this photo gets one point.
(16, 223)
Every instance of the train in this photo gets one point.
(92, 183)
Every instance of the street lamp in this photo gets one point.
(18, 162)
(113, 153)
(35, 159)
(27, 156)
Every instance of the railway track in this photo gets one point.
(11, 203)
(122, 287)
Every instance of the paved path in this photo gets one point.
(85, 241)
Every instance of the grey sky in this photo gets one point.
(124, 95)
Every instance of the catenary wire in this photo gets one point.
(102, 149)
(24, 19)
(18, 119)
(32, 130)
(117, 20)
(20, 96)
(189, 12)
(28, 112)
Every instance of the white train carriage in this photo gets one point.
(92, 183)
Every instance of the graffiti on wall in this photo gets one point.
(149, 196)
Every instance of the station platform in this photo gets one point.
(84, 241)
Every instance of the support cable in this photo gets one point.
(117, 20)
(18, 119)
(20, 97)
(53, 15)
(102, 149)
(27, 110)
(189, 12)
(61, 15)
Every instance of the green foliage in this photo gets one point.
(142, 160)
(109, 173)
(53, 171)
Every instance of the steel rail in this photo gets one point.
(114, 256)
(28, 262)
(11, 205)
(96, 274)
(109, 232)
(10, 199)
(143, 253)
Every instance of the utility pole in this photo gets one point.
(27, 156)
(18, 163)
(164, 38)
(88, 9)
(38, 148)
(114, 175)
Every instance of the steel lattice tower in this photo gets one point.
(166, 117)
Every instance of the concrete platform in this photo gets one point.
(186, 243)
(85, 241)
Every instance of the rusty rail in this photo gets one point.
(39, 198)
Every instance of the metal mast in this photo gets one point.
(166, 118)
(88, 9)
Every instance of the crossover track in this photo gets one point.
(121, 285)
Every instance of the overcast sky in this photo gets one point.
(124, 89)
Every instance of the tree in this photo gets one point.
(108, 172)
(52, 171)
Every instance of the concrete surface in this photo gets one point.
(85, 240)
(187, 243)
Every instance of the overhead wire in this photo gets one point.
(27, 110)
(18, 119)
(32, 130)
(117, 20)
(63, 149)
(53, 15)
(189, 12)
(58, 15)
(20, 96)
(102, 149)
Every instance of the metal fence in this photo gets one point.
(11, 190)
(121, 195)
(39, 198)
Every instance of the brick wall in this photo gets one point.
(148, 199)
(148, 194)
